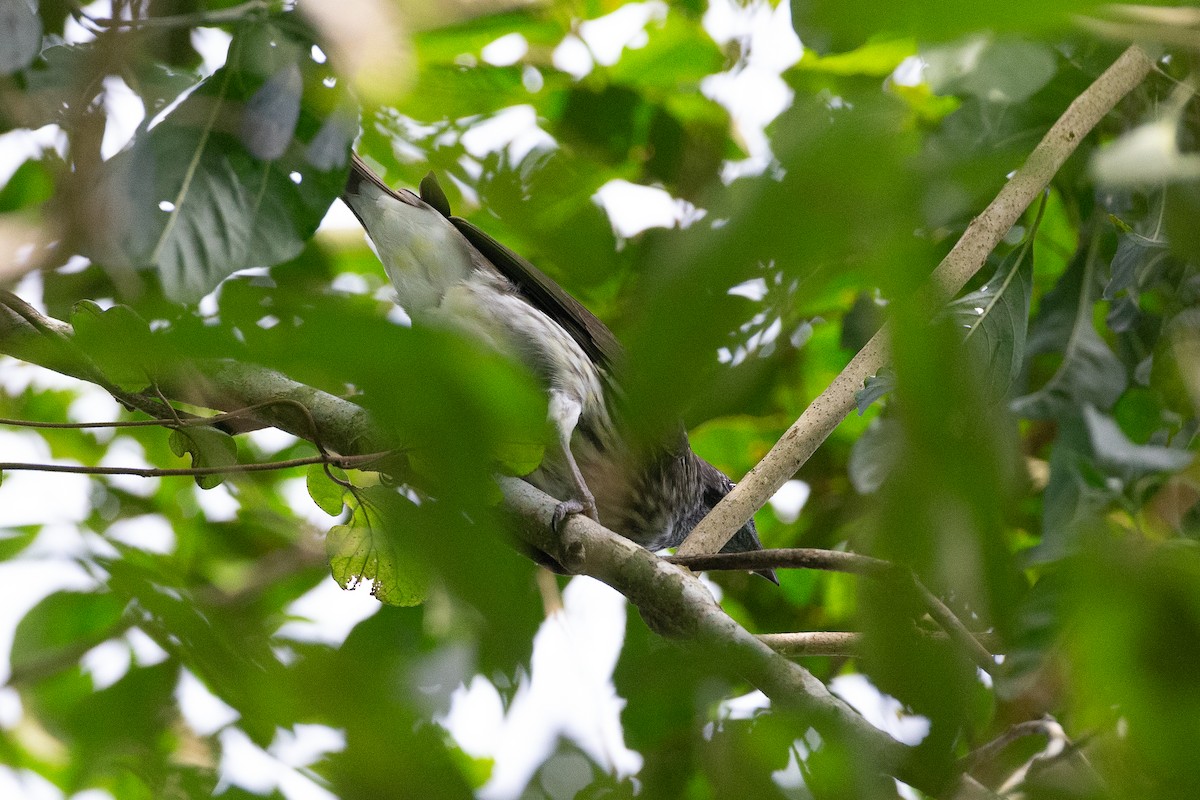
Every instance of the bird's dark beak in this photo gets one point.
(745, 541)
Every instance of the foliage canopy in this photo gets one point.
(1028, 454)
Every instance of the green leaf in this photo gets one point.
(1006, 71)
(876, 58)
(1116, 452)
(1089, 373)
(932, 20)
(519, 458)
(208, 447)
(874, 388)
(366, 550)
(875, 454)
(995, 318)
(239, 174)
(20, 35)
(65, 624)
(30, 185)
(117, 341)
(327, 494)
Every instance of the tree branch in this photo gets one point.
(845, 644)
(838, 561)
(673, 601)
(787, 558)
(345, 462)
(827, 411)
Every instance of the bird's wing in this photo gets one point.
(585, 327)
(538, 288)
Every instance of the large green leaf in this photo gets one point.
(65, 623)
(240, 173)
(1089, 373)
(368, 550)
(994, 319)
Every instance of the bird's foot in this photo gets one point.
(569, 507)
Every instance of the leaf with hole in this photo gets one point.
(367, 550)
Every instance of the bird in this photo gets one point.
(448, 272)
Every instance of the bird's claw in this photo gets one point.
(569, 507)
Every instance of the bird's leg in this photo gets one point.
(564, 412)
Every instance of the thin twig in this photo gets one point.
(786, 558)
(839, 561)
(843, 644)
(986, 752)
(965, 259)
(186, 422)
(953, 626)
(345, 462)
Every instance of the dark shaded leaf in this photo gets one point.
(875, 454)
(994, 319)
(875, 388)
(1089, 372)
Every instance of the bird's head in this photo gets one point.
(716, 485)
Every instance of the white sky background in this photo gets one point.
(569, 691)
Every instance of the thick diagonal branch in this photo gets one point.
(827, 411)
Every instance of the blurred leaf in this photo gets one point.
(30, 185)
(936, 20)
(64, 77)
(862, 321)
(64, 624)
(1133, 633)
(520, 458)
(20, 35)
(677, 55)
(1003, 71)
(1114, 450)
(878, 58)
(875, 455)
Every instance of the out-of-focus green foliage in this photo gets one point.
(1029, 454)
